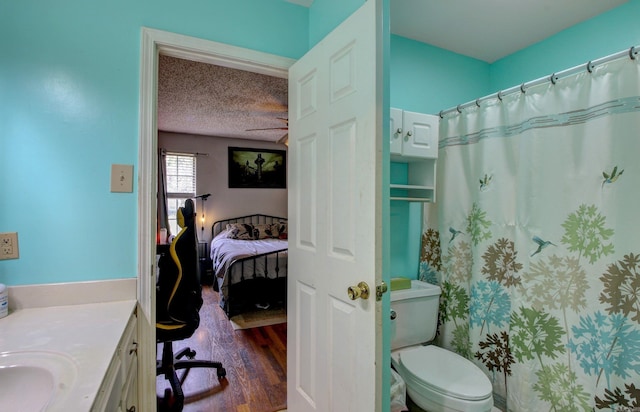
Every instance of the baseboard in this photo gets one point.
(72, 293)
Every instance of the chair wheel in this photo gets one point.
(222, 373)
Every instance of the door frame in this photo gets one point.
(153, 43)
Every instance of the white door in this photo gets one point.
(335, 200)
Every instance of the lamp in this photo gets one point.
(203, 199)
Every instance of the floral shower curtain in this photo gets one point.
(537, 245)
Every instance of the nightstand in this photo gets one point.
(205, 264)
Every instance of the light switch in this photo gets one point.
(122, 178)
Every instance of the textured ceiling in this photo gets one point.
(203, 99)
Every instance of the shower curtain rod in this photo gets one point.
(631, 53)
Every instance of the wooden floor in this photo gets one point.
(255, 360)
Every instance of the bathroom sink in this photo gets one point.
(35, 380)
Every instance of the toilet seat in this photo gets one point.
(443, 372)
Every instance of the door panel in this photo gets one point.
(306, 200)
(341, 185)
(423, 141)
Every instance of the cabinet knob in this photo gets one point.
(399, 131)
(409, 133)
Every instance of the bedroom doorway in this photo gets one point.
(155, 43)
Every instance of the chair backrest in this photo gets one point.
(178, 291)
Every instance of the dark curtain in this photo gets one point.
(163, 215)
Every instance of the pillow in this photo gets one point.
(222, 235)
(264, 231)
(242, 231)
(281, 230)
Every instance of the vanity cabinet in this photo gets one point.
(414, 141)
(119, 389)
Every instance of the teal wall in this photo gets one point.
(325, 15)
(608, 33)
(69, 87)
(427, 79)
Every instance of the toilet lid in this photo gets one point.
(446, 372)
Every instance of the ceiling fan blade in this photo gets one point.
(284, 140)
(272, 107)
(268, 128)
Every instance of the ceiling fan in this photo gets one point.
(284, 139)
(286, 127)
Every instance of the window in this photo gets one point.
(181, 184)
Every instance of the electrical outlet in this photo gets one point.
(9, 245)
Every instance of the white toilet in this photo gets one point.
(437, 380)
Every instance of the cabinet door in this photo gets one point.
(420, 137)
(396, 132)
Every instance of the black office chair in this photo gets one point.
(178, 301)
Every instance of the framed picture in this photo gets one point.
(257, 168)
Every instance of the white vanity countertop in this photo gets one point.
(87, 333)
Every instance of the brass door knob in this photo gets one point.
(360, 291)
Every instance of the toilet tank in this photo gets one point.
(416, 314)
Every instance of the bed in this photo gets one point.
(249, 258)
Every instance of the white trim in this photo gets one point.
(155, 42)
(206, 51)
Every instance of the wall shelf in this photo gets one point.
(411, 193)
(414, 142)
(420, 184)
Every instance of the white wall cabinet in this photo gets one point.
(413, 134)
(414, 140)
(119, 389)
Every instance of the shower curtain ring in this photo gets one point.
(478, 102)
(590, 67)
(441, 114)
(500, 95)
(553, 79)
(458, 109)
(633, 53)
(522, 89)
